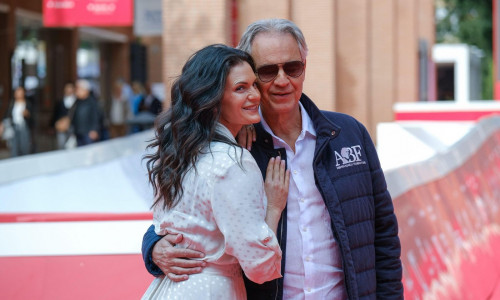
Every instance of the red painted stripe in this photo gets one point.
(443, 115)
(73, 277)
(72, 217)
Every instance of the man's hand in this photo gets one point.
(246, 136)
(93, 135)
(176, 263)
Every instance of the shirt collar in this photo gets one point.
(307, 124)
(221, 129)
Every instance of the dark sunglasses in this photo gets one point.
(269, 72)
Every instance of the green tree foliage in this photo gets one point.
(469, 22)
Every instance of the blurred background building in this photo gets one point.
(364, 56)
(43, 56)
(367, 59)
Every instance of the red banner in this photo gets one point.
(64, 13)
(450, 232)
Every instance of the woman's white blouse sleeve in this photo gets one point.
(239, 207)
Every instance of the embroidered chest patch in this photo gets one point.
(348, 157)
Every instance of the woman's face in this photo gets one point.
(240, 103)
(19, 93)
(69, 89)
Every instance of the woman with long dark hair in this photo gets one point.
(207, 187)
(20, 120)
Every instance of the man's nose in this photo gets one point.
(281, 79)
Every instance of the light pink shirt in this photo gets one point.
(313, 266)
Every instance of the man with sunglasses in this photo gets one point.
(338, 233)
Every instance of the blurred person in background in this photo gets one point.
(86, 117)
(61, 118)
(119, 110)
(104, 123)
(128, 94)
(150, 102)
(17, 126)
(137, 97)
(138, 94)
(149, 108)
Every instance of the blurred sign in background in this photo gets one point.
(148, 18)
(87, 13)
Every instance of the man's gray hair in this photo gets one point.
(272, 25)
(84, 83)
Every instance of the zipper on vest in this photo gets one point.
(334, 228)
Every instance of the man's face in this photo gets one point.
(282, 94)
(19, 93)
(69, 89)
(81, 92)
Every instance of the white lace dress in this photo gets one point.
(221, 214)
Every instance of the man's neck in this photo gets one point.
(285, 126)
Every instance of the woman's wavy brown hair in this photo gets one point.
(188, 127)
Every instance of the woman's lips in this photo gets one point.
(253, 107)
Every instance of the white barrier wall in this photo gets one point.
(408, 142)
(106, 177)
(72, 222)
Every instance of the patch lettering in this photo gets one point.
(348, 157)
